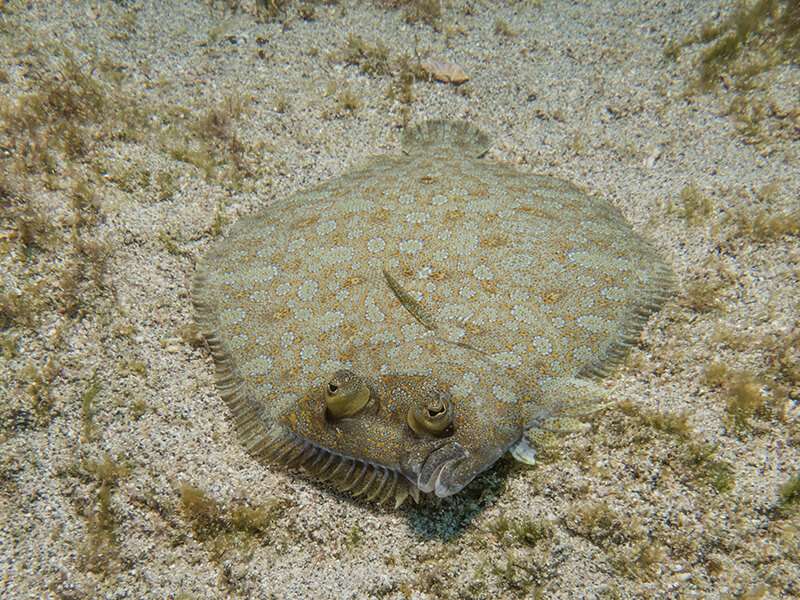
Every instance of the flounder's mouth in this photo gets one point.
(349, 474)
(436, 472)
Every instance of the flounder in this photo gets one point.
(397, 329)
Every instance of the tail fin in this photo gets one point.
(458, 137)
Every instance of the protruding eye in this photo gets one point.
(433, 419)
(346, 395)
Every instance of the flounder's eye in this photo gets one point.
(346, 395)
(435, 418)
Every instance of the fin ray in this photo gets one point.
(459, 137)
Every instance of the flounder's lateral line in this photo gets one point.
(415, 308)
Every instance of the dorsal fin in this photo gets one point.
(458, 137)
(256, 434)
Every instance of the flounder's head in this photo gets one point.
(393, 436)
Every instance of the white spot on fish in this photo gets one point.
(373, 313)
(325, 227)
(465, 386)
(330, 320)
(483, 273)
(410, 246)
(337, 254)
(524, 314)
(465, 243)
(455, 312)
(417, 218)
(262, 389)
(308, 353)
(412, 331)
(232, 316)
(295, 245)
(504, 394)
(593, 323)
(237, 342)
(303, 314)
(265, 273)
(307, 290)
(383, 337)
(259, 365)
(507, 359)
(287, 339)
(329, 366)
(376, 245)
(542, 345)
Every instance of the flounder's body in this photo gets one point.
(509, 290)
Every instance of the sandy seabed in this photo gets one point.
(120, 475)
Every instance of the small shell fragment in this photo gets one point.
(444, 71)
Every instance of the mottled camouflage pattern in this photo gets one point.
(430, 274)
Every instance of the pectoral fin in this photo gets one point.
(563, 402)
(563, 425)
